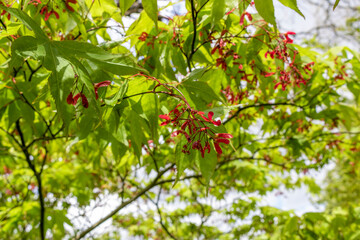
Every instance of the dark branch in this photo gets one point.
(257, 106)
(3, 24)
(38, 179)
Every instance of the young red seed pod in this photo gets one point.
(224, 135)
(76, 99)
(55, 13)
(84, 101)
(70, 98)
(102, 84)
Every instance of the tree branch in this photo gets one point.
(124, 204)
(38, 179)
(3, 24)
(194, 18)
(259, 105)
(159, 212)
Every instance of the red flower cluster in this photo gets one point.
(233, 97)
(73, 99)
(280, 51)
(221, 45)
(342, 71)
(152, 39)
(4, 11)
(48, 13)
(196, 129)
(286, 37)
(8, 16)
(143, 36)
(292, 72)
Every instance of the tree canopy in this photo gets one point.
(178, 130)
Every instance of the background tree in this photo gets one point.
(331, 28)
(178, 131)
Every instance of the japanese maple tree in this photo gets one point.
(176, 131)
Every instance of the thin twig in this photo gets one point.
(260, 105)
(160, 214)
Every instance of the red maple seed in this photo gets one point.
(55, 13)
(70, 8)
(70, 99)
(193, 125)
(100, 84)
(76, 98)
(218, 148)
(143, 36)
(43, 9)
(166, 117)
(243, 17)
(84, 101)
(231, 11)
(224, 135)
